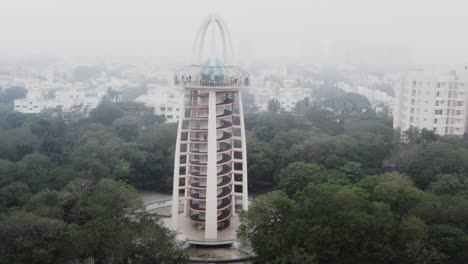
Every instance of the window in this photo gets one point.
(459, 103)
(438, 94)
(437, 103)
(435, 120)
(438, 85)
(459, 112)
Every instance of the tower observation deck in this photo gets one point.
(210, 167)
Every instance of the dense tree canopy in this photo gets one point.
(345, 188)
(66, 193)
(349, 191)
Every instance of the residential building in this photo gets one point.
(434, 100)
(164, 101)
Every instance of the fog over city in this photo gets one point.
(241, 131)
(407, 33)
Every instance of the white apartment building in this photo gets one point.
(433, 100)
(377, 98)
(165, 101)
(286, 96)
(66, 98)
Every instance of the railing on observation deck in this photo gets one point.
(188, 82)
(206, 76)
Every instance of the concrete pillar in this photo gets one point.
(211, 219)
(175, 187)
(245, 193)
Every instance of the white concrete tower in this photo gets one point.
(210, 168)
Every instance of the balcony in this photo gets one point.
(200, 217)
(205, 76)
(226, 101)
(224, 124)
(225, 136)
(225, 113)
(225, 170)
(223, 147)
(225, 158)
(225, 192)
(226, 202)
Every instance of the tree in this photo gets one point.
(9, 95)
(263, 225)
(348, 104)
(326, 223)
(14, 194)
(302, 106)
(274, 106)
(297, 175)
(111, 211)
(324, 120)
(106, 113)
(446, 184)
(126, 127)
(353, 171)
(16, 143)
(27, 238)
(261, 164)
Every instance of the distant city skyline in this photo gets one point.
(359, 32)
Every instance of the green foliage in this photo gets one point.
(28, 238)
(326, 223)
(347, 191)
(10, 94)
(297, 175)
(106, 113)
(274, 106)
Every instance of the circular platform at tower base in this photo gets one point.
(231, 253)
(209, 243)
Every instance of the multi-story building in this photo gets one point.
(435, 101)
(164, 101)
(210, 169)
(377, 99)
(66, 98)
(286, 96)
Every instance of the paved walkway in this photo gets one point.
(151, 197)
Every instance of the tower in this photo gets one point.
(210, 167)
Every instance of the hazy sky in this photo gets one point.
(428, 31)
